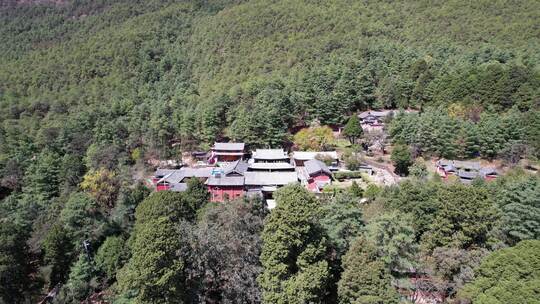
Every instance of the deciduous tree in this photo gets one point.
(102, 185)
(226, 246)
(317, 138)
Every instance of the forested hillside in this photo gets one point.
(91, 90)
(192, 71)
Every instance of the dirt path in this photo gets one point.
(384, 174)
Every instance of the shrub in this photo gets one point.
(342, 175)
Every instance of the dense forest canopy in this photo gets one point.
(194, 71)
(91, 90)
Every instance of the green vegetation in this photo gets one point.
(294, 252)
(352, 129)
(511, 135)
(92, 91)
(14, 262)
(518, 198)
(342, 175)
(155, 271)
(365, 279)
(402, 159)
(509, 275)
(316, 138)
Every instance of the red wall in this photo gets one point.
(218, 194)
(319, 177)
(162, 187)
(490, 177)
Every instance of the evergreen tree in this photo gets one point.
(196, 193)
(394, 238)
(81, 218)
(226, 253)
(58, 250)
(111, 256)
(342, 220)
(418, 170)
(509, 275)
(365, 279)
(352, 129)
(465, 218)
(294, 250)
(42, 178)
(355, 190)
(14, 263)
(401, 157)
(173, 205)
(80, 285)
(518, 197)
(155, 272)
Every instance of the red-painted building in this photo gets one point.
(466, 171)
(228, 183)
(225, 188)
(317, 175)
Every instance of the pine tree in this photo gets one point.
(294, 250)
(111, 256)
(155, 272)
(42, 178)
(394, 238)
(401, 157)
(14, 263)
(510, 275)
(356, 190)
(352, 129)
(79, 285)
(365, 279)
(58, 253)
(465, 218)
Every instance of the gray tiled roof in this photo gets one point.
(225, 181)
(459, 164)
(467, 165)
(270, 154)
(197, 172)
(271, 166)
(229, 146)
(488, 171)
(444, 162)
(315, 166)
(238, 166)
(178, 187)
(467, 174)
(449, 168)
(270, 178)
(382, 113)
(178, 175)
(163, 172)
